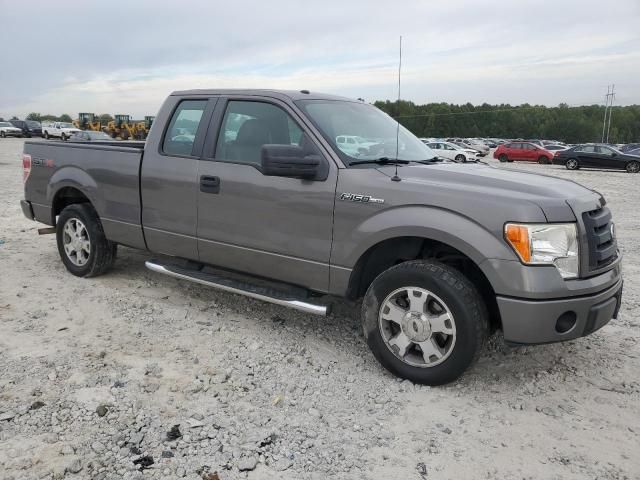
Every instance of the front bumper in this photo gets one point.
(545, 321)
(13, 134)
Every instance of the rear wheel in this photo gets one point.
(3, 135)
(503, 158)
(461, 158)
(63, 137)
(572, 164)
(424, 321)
(46, 135)
(543, 160)
(83, 247)
(633, 167)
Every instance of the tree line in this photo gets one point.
(564, 123)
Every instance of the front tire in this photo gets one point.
(3, 135)
(633, 167)
(82, 245)
(461, 158)
(542, 160)
(63, 137)
(46, 135)
(572, 164)
(424, 321)
(503, 158)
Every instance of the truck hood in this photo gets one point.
(478, 182)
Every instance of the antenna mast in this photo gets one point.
(396, 178)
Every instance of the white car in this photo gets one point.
(454, 152)
(353, 145)
(61, 130)
(8, 130)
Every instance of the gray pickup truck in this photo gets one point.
(289, 197)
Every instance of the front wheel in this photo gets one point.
(572, 164)
(63, 137)
(543, 160)
(633, 167)
(46, 135)
(424, 321)
(503, 158)
(82, 245)
(461, 158)
(3, 135)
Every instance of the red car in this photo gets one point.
(522, 151)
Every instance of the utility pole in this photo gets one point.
(606, 106)
(613, 97)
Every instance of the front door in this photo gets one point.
(274, 227)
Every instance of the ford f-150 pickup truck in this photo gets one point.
(251, 191)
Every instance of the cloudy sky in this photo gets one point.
(125, 57)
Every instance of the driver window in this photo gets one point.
(181, 134)
(248, 125)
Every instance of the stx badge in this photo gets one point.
(353, 197)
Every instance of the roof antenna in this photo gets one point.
(396, 178)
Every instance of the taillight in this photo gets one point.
(557, 154)
(26, 167)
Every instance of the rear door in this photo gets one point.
(169, 177)
(587, 156)
(514, 151)
(273, 227)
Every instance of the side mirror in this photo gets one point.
(289, 161)
(614, 154)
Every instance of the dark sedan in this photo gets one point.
(596, 156)
(29, 127)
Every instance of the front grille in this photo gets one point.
(603, 248)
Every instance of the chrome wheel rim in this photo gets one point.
(75, 239)
(571, 164)
(633, 167)
(417, 327)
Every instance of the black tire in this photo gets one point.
(572, 164)
(63, 137)
(102, 253)
(461, 158)
(460, 297)
(542, 160)
(503, 158)
(633, 167)
(46, 135)
(3, 135)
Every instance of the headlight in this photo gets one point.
(546, 244)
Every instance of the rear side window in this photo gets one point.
(181, 134)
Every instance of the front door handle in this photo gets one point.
(209, 184)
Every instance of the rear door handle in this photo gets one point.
(209, 184)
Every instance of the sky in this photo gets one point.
(111, 57)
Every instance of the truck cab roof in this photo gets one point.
(282, 94)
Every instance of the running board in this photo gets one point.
(288, 297)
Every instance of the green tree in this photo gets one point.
(65, 118)
(36, 117)
(105, 118)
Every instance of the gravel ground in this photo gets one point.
(137, 375)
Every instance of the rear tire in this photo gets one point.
(63, 137)
(3, 135)
(542, 160)
(503, 158)
(572, 164)
(633, 167)
(46, 135)
(101, 254)
(448, 297)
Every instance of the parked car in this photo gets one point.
(61, 130)
(439, 252)
(522, 151)
(8, 130)
(553, 148)
(596, 156)
(90, 136)
(29, 128)
(629, 146)
(476, 145)
(353, 144)
(454, 152)
(635, 152)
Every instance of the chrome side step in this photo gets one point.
(284, 297)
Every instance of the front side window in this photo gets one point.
(248, 125)
(181, 134)
(378, 134)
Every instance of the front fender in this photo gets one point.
(448, 227)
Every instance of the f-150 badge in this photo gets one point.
(360, 198)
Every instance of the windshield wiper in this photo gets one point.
(381, 161)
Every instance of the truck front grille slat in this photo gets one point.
(602, 247)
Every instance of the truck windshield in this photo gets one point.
(66, 125)
(359, 131)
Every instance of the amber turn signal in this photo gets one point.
(518, 238)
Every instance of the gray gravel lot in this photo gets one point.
(95, 374)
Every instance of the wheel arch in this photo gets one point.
(65, 196)
(392, 251)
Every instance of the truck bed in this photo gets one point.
(108, 174)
